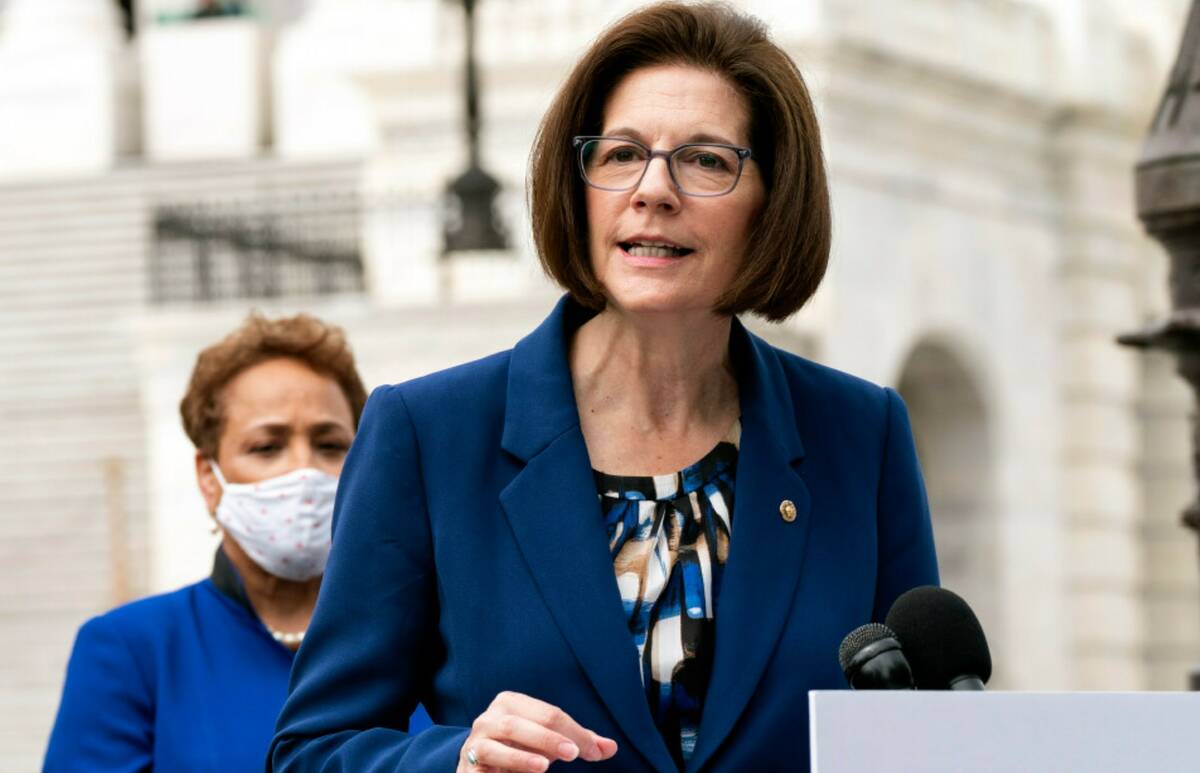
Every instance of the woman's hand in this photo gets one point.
(520, 733)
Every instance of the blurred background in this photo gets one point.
(168, 165)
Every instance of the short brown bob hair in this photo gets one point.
(789, 249)
(303, 337)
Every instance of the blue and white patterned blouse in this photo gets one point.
(669, 538)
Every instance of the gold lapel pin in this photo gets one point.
(787, 510)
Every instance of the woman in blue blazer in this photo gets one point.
(193, 680)
(636, 539)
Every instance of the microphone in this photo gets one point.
(943, 639)
(871, 659)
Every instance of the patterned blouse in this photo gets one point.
(669, 537)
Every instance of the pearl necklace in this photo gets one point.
(286, 638)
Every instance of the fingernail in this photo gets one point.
(541, 763)
(567, 751)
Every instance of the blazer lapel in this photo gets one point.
(766, 548)
(555, 515)
(554, 511)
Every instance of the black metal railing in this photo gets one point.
(300, 246)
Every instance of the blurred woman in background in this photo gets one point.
(194, 679)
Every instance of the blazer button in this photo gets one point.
(787, 510)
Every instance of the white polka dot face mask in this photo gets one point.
(282, 523)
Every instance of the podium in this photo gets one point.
(990, 732)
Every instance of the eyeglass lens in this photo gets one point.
(701, 169)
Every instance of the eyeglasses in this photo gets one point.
(697, 168)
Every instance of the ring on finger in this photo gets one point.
(471, 758)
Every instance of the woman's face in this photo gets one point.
(664, 107)
(280, 415)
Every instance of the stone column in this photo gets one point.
(63, 85)
(411, 92)
(37, 24)
(1100, 390)
(1095, 140)
(321, 110)
(205, 89)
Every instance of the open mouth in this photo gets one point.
(654, 249)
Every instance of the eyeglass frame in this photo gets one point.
(666, 155)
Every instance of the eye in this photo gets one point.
(333, 444)
(624, 154)
(265, 449)
(707, 160)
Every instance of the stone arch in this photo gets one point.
(952, 425)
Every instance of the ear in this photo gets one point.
(210, 487)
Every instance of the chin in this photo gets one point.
(657, 300)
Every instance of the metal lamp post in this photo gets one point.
(470, 212)
(1168, 203)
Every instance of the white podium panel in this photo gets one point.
(951, 732)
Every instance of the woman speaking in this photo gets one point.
(637, 538)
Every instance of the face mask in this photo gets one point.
(282, 523)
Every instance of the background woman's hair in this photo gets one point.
(789, 248)
(318, 345)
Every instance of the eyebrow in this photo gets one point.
(270, 425)
(329, 426)
(625, 131)
(275, 427)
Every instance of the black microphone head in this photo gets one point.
(942, 637)
(859, 638)
(871, 659)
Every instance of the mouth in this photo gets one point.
(654, 249)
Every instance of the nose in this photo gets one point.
(656, 190)
(303, 454)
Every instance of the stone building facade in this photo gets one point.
(985, 256)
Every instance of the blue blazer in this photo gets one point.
(186, 681)
(470, 557)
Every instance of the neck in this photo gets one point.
(282, 605)
(658, 373)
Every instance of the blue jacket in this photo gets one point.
(185, 681)
(469, 557)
